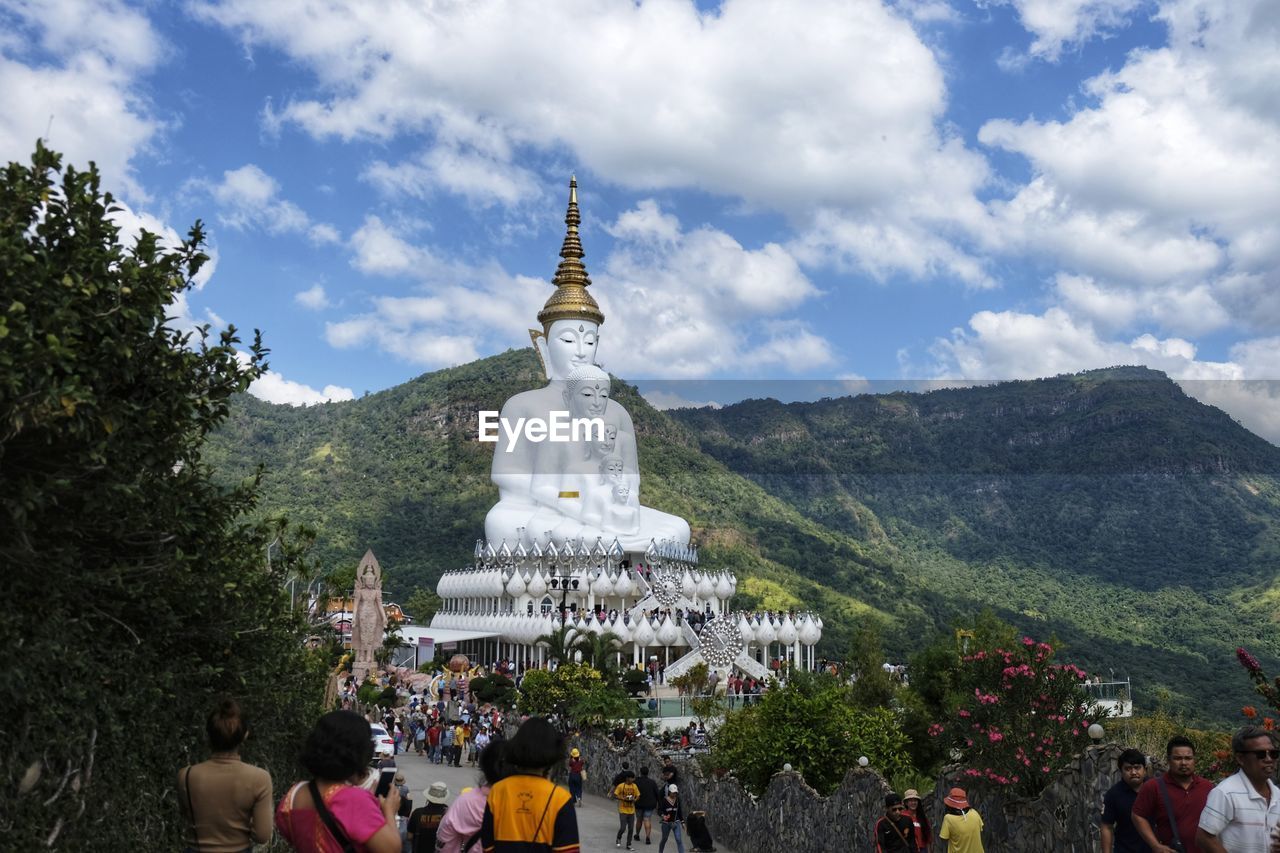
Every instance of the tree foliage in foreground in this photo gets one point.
(137, 591)
(811, 724)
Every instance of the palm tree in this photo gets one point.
(599, 650)
(560, 643)
(567, 643)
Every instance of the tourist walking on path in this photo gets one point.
(1243, 810)
(626, 793)
(226, 803)
(577, 774)
(1119, 835)
(333, 811)
(424, 823)
(1178, 791)
(962, 825)
(671, 817)
(894, 832)
(460, 831)
(920, 827)
(650, 792)
(526, 810)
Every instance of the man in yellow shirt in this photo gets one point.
(962, 826)
(626, 793)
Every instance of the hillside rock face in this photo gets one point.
(1106, 508)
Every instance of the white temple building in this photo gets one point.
(569, 542)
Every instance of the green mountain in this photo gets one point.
(1136, 524)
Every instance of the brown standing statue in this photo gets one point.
(369, 624)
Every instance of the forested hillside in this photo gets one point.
(1108, 508)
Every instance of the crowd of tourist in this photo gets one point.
(226, 803)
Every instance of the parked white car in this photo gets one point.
(384, 746)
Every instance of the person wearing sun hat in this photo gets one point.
(962, 825)
(893, 831)
(577, 775)
(911, 808)
(425, 822)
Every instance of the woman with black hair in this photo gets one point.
(226, 803)
(526, 811)
(460, 830)
(332, 813)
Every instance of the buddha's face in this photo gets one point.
(569, 344)
(588, 399)
(610, 439)
(611, 469)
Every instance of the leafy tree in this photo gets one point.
(546, 692)
(422, 604)
(495, 689)
(872, 687)
(600, 702)
(812, 724)
(140, 592)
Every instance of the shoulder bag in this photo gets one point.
(330, 824)
(191, 810)
(1176, 843)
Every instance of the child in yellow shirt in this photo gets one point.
(626, 793)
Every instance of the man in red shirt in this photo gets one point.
(1187, 794)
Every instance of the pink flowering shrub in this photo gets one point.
(1024, 718)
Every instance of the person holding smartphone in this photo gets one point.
(671, 817)
(333, 812)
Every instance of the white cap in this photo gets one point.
(672, 789)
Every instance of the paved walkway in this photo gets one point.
(597, 817)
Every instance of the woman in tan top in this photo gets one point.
(226, 803)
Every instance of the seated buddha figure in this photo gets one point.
(556, 490)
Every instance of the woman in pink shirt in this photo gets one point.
(462, 821)
(337, 753)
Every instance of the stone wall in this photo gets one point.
(792, 816)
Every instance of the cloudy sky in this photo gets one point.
(771, 189)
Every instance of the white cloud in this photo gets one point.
(274, 388)
(250, 198)
(1012, 345)
(695, 302)
(482, 179)
(1165, 184)
(1063, 24)
(1015, 345)
(836, 106)
(379, 250)
(313, 297)
(698, 303)
(83, 103)
(665, 400)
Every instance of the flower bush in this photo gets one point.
(1021, 717)
(1267, 689)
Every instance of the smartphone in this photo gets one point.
(388, 775)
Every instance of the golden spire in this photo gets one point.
(571, 301)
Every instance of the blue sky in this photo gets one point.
(857, 190)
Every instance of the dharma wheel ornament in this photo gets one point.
(720, 642)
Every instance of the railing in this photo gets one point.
(681, 706)
(1116, 697)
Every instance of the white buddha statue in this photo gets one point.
(578, 490)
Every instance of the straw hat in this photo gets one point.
(573, 753)
(956, 799)
(438, 793)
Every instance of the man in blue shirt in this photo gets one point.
(1118, 833)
